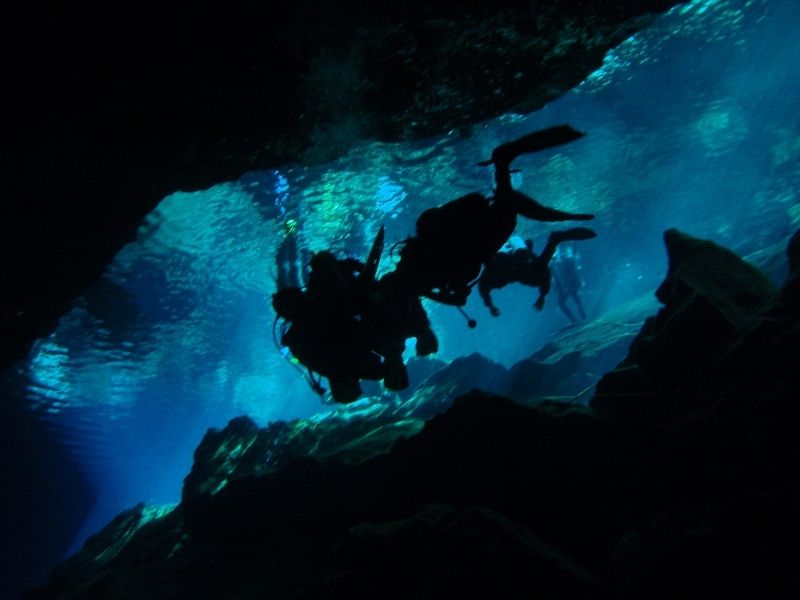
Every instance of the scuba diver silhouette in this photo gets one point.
(319, 329)
(288, 271)
(443, 261)
(346, 325)
(524, 266)
(291, 268)
(568, 282)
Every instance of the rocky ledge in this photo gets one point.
(678, 480)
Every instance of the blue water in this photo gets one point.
(692, 123)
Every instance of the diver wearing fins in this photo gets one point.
(453, 241)
(568, 282)
(320, 329)
(346, 325)
(525, 267)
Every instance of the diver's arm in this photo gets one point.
(486, 293)
(544, 289)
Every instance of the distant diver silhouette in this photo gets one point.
(286, 262)
(453, 241)
(568, 283)
(292, 269)
(525, 267)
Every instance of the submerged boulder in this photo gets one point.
(764, 356)
(436, 393)
(575, 359)
(512, 484)
(708, 295)
(713, 509)
(242, 449)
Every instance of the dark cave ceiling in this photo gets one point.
(107, 112)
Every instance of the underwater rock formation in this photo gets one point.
(674, 482)
(709, 296)
(108, 119)
(436, 393)
(476, 551)
(494, 468)
(570, 365)
(714, 377)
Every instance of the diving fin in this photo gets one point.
(574, 234)
(533, 142)
(374, 257)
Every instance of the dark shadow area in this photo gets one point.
(44, 498)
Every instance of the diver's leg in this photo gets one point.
(294, 275)
(531, 209)
(550, 248)
(427, 343)
(421, 328)
(562, 303)
(579, 304)
(345, 389)
(504, 154)
(556, 237)
(485, 290)
(395, 375)
(533, 142)
(282, 279)
(502, 177)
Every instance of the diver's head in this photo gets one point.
(289, 303)
(323, 270)
(326, 276)
(323, 259)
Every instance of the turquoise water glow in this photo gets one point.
(691, 124)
